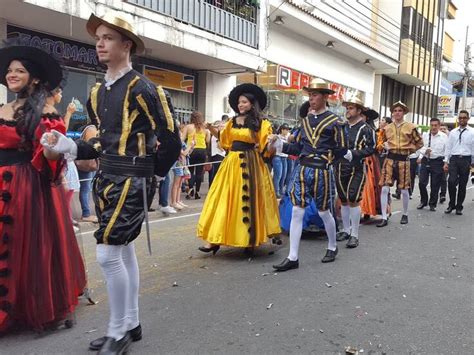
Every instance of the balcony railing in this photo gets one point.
(233, 19)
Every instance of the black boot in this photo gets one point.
(135, 334)
(287, 264)
(116, 347)
(330, 256)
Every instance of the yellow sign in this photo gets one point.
(170, 79)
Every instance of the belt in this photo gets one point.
(127, 166)
(461, 156)
(424, 159)
(314, 162)
(14, 157)
(239, 146)
(397, 157)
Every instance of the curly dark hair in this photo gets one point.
(29, 115)
(253, 117)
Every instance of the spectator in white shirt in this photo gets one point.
(431, 160)
(459, 157)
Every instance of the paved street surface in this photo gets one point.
(404, 290)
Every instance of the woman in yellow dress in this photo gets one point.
(241, 208)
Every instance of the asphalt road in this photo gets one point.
(404, 290)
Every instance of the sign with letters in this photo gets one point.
(70, 53)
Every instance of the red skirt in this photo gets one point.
(371, 204)
(41, 268)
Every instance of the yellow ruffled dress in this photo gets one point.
(241, 208)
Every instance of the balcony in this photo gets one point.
(233, 19)
(448, 47)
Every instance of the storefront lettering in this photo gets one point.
(74, 54)
(61, 49)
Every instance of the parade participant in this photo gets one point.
(350, 176)
(400, 139)
(458, 158)
(311, 216)
(41, 269)
(320, 140)
(134, 118)
(431, 160)
(241, 208)
(370, 204)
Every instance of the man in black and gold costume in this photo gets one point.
(137, 140)
(350, 174)
(320, 140)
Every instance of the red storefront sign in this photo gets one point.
(291, 79)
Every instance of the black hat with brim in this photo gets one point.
(247, 88)
(50, 71)
(304, 109)
(370, 114)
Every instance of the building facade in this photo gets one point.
(194, 48)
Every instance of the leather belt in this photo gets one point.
(397, 157)
(314, 162)
(127, 166)
(239, 146)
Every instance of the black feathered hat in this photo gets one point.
(371, 114)
(50, 71)
(247, 88)
(304, 109)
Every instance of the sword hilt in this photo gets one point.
(141, 144)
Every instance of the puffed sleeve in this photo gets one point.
(155, 103)
(225, 139)
(52, 168)
(265, 131)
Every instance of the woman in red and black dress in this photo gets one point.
(41, 269)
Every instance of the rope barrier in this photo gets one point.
(179, 167)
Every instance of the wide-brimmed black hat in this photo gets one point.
(247, 88)
(370, 114)
(50, 71)
(304, 109)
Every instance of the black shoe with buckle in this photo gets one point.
(433, 208)
(459, 211)
(116, 347)
(341, 236)
(449, 210)
(287, 264)
(382, 223)
(330, 256)
(420, 206)
(404, 219)
(353, 242)
(135, 334)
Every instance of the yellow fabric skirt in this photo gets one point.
(241, 208)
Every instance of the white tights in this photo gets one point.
(120, 268)
(296, 228)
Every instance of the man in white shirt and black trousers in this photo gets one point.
(459, 157)
(431, 159)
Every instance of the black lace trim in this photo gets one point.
(237, 125)
(9, 123)
(51, 116)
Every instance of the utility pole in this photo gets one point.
(467, 72)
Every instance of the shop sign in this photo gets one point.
(170, 79)
(446, 104)
(71, 53)
(339, 94)
(291, 79)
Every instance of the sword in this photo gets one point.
(142, 153)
